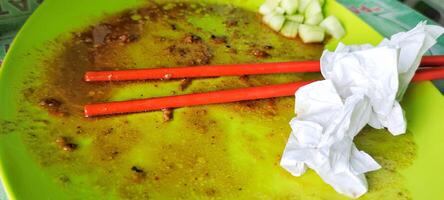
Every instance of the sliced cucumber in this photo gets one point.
(265, 9)
(290, 6)
(314, 19)
(269, 6)
(281, 16)
(313, 13)
(303, 4)
(311, 34)
(333, 27)
(279, 10)
(313, 8)
(295, 18)
(274, 21)
(290, 29)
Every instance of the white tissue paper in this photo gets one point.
(362, 85)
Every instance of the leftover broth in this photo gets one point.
(221, 151)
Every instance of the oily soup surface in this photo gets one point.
(221, 151)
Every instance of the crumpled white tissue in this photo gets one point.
(362, 85)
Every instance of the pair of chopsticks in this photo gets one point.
(429, 70)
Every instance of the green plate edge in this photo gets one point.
(23, 178)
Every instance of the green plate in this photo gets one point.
(23, 178)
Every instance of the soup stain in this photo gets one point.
(227, 151)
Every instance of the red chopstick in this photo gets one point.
(429, 74)
(225, 96)
(202, 71)
(432, 61)
(221, 70)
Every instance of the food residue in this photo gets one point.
(205, 152)
(167, 114)
(65, 144)
(260, 53)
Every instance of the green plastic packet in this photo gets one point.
(13, 13)
(389, 17)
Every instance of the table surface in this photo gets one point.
(386, 16)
